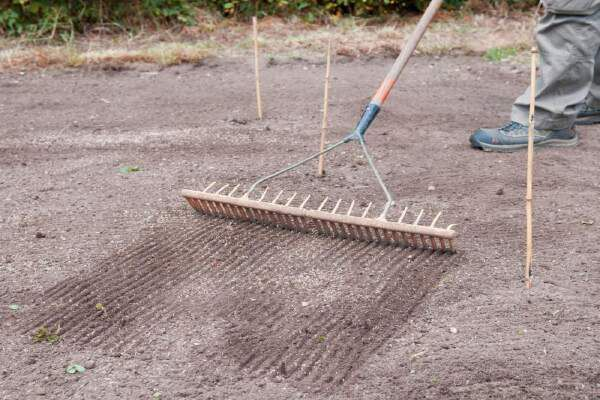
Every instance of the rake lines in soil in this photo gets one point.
(252, 235)
(137, 287)
(111, 284)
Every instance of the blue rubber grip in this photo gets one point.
(367, 117)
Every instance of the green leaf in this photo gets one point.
(14, 307)
(75, 369)
(129, 169)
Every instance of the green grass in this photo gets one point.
(498, 54)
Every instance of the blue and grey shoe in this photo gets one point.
(514, 136)
(588, 116)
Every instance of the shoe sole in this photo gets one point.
(588, 120)
(514, 147)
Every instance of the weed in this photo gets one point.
(62, 19)
(74, 369)
(129, 169)
(497, 54)
(44, 334)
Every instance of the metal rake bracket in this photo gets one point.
(293, 214)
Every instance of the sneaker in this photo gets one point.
(514, 136)
(588, 116)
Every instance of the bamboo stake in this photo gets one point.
(321, 170)
(256, 69)
(529, 195)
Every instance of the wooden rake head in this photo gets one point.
(293, 214)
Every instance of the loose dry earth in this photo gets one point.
(154, 298)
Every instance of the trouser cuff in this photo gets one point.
(543, 119)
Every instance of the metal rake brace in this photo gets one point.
(331, 223)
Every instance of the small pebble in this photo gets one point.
(431, 188)
(90, 364)
(40, 235)
(500, 192)
(453, 330)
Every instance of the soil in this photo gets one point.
(157, 301)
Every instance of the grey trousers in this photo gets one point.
(569, 77)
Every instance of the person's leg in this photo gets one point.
(593, 99)
(568, 46)
(591, 112)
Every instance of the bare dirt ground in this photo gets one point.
(157, 301)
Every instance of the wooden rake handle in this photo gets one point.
(388, 83)
(407, 51)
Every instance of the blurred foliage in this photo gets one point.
(64, 18)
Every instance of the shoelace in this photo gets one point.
(590, 109)
(511, 126)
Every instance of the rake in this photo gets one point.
(294, 214)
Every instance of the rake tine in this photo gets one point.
(415, 240)
(264, 194)
(266, 215)
(225, 210)
(233, 190)
(241, 212)
(451, 226)
(291, 199)
(433, 245)
(360, 232)
(322, 204)
(218, 207)
(442, 244)
(423, 241)
(277, 197)
(355, 232)
(419, 218)
(208, 206)
(209, 186)
(350, 209)
(403, 214)
(337, 205)
(370, 235)
(246, 213)
(197, 204)
(223, 188)
(232, 211)
(295, 223)
(367, 210)
(405, 238)
(435, 219)
(287, 220)
(305, 201)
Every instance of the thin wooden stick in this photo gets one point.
(529, 195)
(321, 171)
(256, 67)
